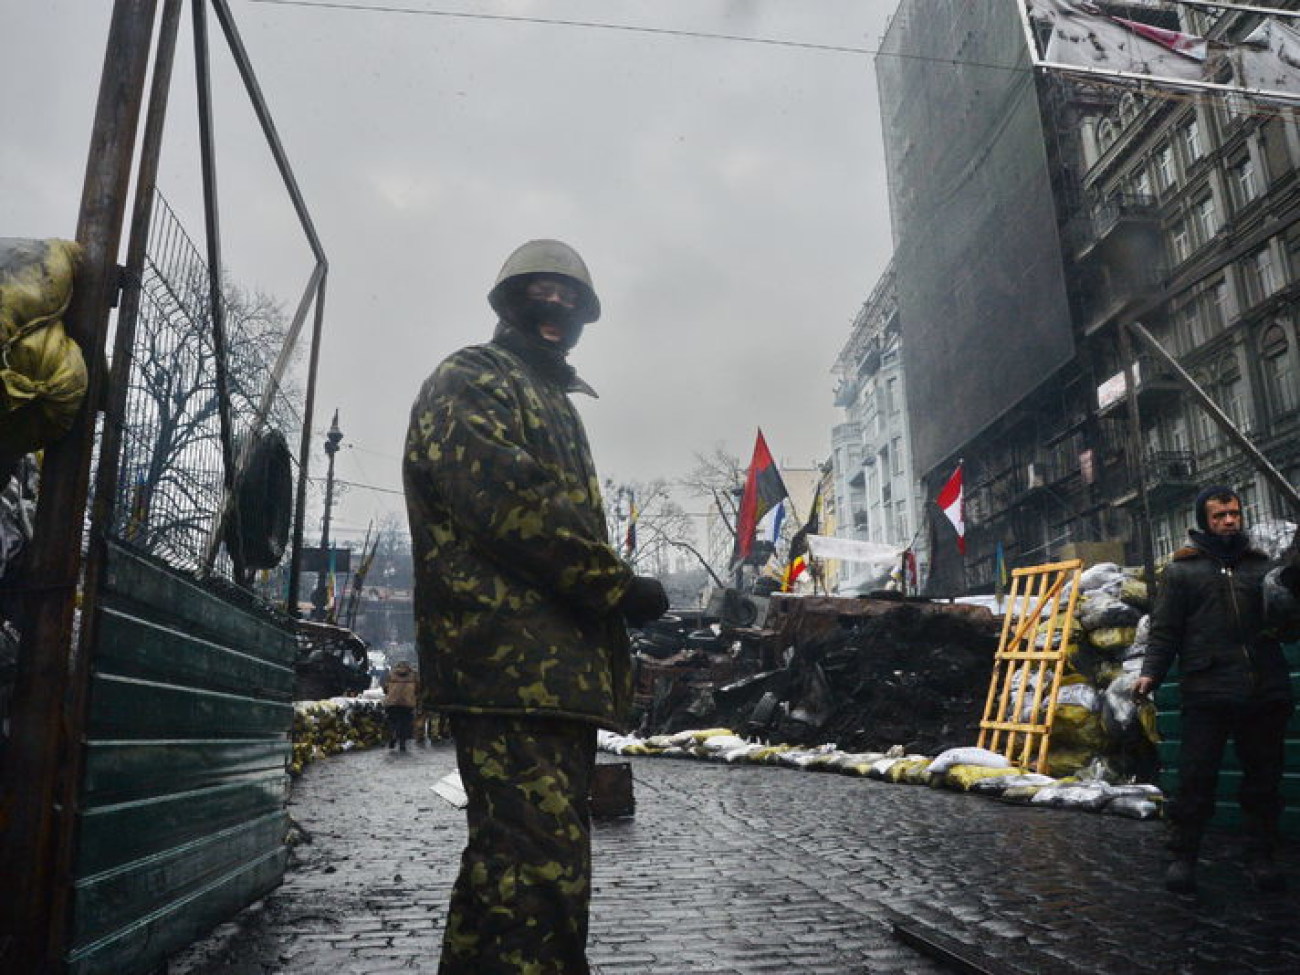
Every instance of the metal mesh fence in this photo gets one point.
(171, 485)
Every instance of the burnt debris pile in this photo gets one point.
(865, 674)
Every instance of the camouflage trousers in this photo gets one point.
(520, 903)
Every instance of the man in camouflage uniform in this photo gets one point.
(521, 607)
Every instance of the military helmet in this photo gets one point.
(550, 257)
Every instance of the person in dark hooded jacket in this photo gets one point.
(1210, 615)
(522, 606)
(401, 688)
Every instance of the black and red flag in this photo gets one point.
(764, 489)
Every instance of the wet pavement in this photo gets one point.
(749, 870)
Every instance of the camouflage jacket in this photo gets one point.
(516, 584)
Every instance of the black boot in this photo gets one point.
(1261, 849)
(1180, 875)
(1265, 874)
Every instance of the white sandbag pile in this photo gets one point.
(975, 770)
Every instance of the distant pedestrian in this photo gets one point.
(401, 691)
(521, 606)
(1211, 614)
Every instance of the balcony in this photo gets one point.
(846, 393)
(1170, 477)
(1107, 292)
(1113, 224)
(1153, 379)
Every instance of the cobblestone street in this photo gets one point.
(746, 870)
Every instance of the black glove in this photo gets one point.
(645, 600)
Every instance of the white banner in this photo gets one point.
(851, 550)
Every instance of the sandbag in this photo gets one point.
(1120, 713)
(1136, 593)
(1075, 690)
(1102, 577)
(1272, 536)
(1101, 610)
(42, 372)
(964, 777)
(1141, 638)
(1132, 807)
(910, 769)
(1113, 638)
(1027, 782)
(967, 756)
(1063, 760)
(1091, 796)
(1078, 727)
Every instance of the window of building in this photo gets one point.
(1180, 242)
(1164, 168)
(1190, 136)
(1141, 183)
(1241, 179)
(1215, 298)
(1230, 392)
(891, 395)
(1249, 503)
(1178, 438)
(1279, 369)
(1207, 219)
(1205, 432)
(1190, 326)
(896, 449)
(1259, 274)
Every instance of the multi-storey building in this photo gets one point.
(1073, 207)
(875, 490)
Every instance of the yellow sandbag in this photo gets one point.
(964, 776)
(35, 280)
(1112, 637)
(699, 736)
(1147, 718)
(855, 768)
(1078, 727)
(42, 372)
(1135, 593)
(908, 770)
(1062, 761)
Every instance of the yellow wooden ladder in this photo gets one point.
(1027, 667)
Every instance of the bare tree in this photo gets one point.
(659, 523)
(172, 471)
(393, 566)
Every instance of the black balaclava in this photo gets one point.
(517, 330)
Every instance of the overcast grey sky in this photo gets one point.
(728, 197)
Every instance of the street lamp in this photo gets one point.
(320, 596)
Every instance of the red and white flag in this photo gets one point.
(1188, 45)
(952, 504)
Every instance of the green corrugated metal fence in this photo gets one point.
(1169, 723)
(182, 815)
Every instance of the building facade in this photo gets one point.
(1177, 211)
(875, 490)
